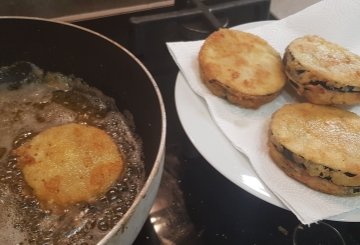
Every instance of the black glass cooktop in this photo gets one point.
(195, 203)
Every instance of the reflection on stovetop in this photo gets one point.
(195, 203)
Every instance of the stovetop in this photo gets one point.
(195, 203)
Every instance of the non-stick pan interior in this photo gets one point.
(67, 49)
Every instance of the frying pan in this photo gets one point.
(106, 65)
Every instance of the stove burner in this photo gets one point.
(197, 28)
(208, 14)
(194, 20)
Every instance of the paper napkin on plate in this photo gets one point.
(335, 20)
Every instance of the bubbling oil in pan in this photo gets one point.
(31, 101)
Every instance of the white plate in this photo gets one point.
(218, 151)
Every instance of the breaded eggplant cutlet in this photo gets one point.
(241, 68)
(70, 163)
(323, 72)
(319, 146)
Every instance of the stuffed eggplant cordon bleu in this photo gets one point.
(318, 146)
(70, 163)
(323, 72)
(241, 68)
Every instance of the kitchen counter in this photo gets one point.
(77, 10)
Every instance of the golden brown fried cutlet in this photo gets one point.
(70, 163)
(318, 146)
(241, 67)
(323, 72)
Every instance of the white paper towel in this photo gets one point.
(335, 20)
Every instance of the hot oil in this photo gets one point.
(34, 101)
